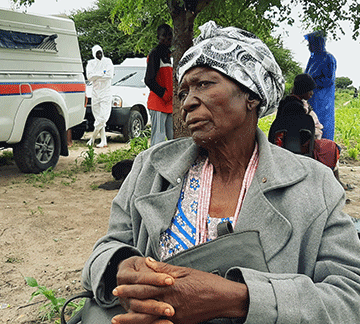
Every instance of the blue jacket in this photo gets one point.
(322, 66)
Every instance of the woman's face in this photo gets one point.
(213, 107)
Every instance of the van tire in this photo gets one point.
(134, 126)
(40, 146)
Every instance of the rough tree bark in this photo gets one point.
(183, 21)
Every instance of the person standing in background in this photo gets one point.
(100, 71)
(159, 79)
(322, 66)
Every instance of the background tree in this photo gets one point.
(342, 83)
(96, 26)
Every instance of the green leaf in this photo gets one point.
(31, 282)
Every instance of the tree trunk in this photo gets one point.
(183, 34)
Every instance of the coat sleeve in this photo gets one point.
(331, 294)
(99, 273)
(109, 68)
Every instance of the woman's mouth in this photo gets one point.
(196, 123)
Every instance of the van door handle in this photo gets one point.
(26, 90)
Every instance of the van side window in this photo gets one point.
(19, 40)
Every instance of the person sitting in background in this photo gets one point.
(301, 253)
(325, 151)
(302, 91)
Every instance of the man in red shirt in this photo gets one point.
(159, 80)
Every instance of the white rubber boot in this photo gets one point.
(103, 142)
(91, 141)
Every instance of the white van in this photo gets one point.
(42, 87)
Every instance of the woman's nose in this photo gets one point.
(191, 102)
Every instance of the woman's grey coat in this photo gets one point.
(294, 202)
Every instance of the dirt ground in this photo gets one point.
(48, 232)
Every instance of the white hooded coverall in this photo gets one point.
(100, 73)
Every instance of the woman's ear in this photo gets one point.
(251, 103)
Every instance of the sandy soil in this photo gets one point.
(47, 232)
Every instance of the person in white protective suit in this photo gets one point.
(100, 71)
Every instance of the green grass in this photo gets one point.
(265, 123)
(6, 158)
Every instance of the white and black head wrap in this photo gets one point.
(241, 56)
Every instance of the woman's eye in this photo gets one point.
(203, 83)
(182, 95)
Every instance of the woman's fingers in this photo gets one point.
(167, 269)
(142, 299)
(133, 318)
(137, 318)
(151, 307)
(135, 271)
(145, 277)
(137, 291)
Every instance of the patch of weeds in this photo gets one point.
(13, 260)
(88, 159)
(140, 143)
(353, 153)
(39, 210)
(6, 158)
(53, 308)
(111, 158)
(44, 177)
(94, 186)
(137, 145)
(70, 175)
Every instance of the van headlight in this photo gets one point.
(116, 102)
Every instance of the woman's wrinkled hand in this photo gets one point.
(141, 305)
(195, 296)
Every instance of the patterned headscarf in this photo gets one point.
(241, 56)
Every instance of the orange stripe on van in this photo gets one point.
(11, 89)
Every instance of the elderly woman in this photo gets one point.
(293, 257)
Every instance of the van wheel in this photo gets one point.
(134, 126)
(39, 148)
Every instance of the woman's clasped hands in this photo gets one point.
(159, 293)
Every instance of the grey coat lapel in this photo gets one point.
(158, 208)
(277, 169)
